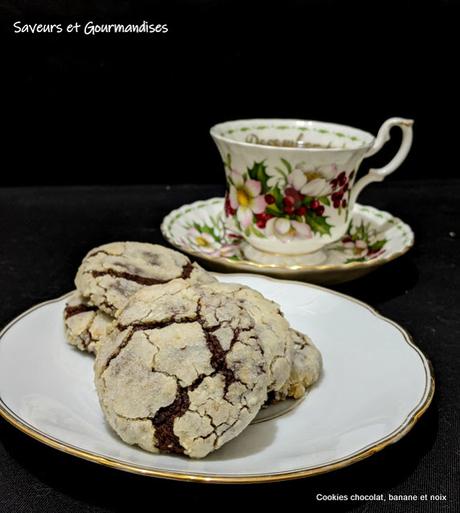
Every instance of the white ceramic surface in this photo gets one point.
(291, 183)
(375, 385)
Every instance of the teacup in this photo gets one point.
(291, 183)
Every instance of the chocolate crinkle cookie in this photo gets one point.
(184, 369)
(110, 274)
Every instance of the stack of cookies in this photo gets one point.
(183, 362)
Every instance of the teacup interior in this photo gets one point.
(285, 133)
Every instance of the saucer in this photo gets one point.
(374, 238)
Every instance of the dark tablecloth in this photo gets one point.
(46, 231)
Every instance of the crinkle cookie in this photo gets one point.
(112, 273)
(183, 371)
(85, 325)
(306, 367)
(272, 328)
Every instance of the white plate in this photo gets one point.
(376, 384)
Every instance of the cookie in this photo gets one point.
(305, 370)
(272, 328)
(110, 274)
(183, 371)
(85, 325)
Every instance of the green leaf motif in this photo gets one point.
(274, 210)
(252, 230)
(350, 227)
(228, 161)
(378, 245)
(257, 232)
(350, 260)
(282, 173)
(324, 200)
(361, 233)
(259, 172)
(287, 165)
(318, 224)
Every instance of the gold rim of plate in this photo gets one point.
(393, 437)
(238, 264)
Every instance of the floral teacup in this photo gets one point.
(291, 183)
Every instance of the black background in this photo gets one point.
(136, 108)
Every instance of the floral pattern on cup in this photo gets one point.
(287, 202)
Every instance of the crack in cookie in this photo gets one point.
(166, 439)
(271, 327)
(85, 325)
(196, 376)
(153, 325)
(70, 311)
(218, 358)
(141, 280)
(109, 275)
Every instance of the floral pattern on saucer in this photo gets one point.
(373, 238)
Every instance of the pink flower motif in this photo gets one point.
(288, 229)
(245, 198)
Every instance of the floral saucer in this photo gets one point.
(374, 237)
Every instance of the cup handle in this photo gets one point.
(377, 175)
